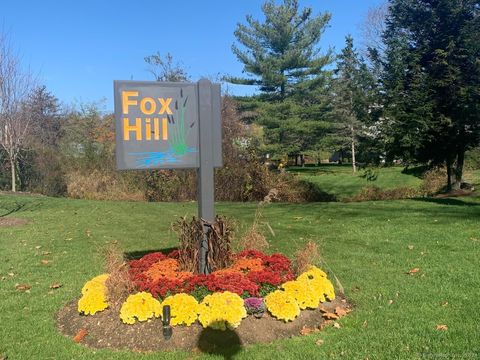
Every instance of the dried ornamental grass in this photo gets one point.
(306, 256)
(119, 285)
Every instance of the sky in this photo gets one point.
(77, 48)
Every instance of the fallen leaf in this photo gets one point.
(365, 324)
(319, 342)
(46, 253)
(445, 303)
(55, 285)
(38, 247)
(80, 335)
(11, 274)
(336, 325)
(22, 287)
(306, 330)
(390, 302)
(330, 316)
(441, 327)
(410, 247)
(340, 311)
(413, 271)
(45, 261)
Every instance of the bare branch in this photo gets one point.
(373, 27)
(15, 120)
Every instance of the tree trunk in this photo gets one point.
(14, 174)
(296, 160)
(459, 169)
(354, 162)
(449, 173)
(302, 160)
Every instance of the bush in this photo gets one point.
(98, 185)
(472, 159)
(243, 176)
(434, 180)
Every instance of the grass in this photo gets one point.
(370, 246)
(339, 180)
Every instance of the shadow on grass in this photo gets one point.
(135, 255)
(11, 207)
(225, 343)
(416, 171)
(447, 201)
(313, 193)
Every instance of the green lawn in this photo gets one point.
(370, 246)
(339, 180)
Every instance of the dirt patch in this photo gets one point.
(11, 221)
(105, 330)
(455, 193)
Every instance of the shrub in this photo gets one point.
(472, 159)
(100, 185)
(434, 181)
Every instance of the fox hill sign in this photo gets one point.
(162, 125)
(158, 124)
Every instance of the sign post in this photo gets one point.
(161, 125)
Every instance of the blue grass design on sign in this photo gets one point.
(156, 158)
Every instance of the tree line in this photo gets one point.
(411, 97)
(409, 94)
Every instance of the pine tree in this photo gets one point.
(432, 80)
(282, 51)
(282, 57)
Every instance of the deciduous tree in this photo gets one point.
(15, 122)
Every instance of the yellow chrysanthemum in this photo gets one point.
(221, 310)
(282, 305)
(318, 283)
(313, 272)
(97, 283)
(302, 293)
(183, 309)
(94, 296)
(140, 306)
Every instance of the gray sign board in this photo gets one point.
(157, 125)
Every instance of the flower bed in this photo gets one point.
(255, 282)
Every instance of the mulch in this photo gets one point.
(106, 330)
